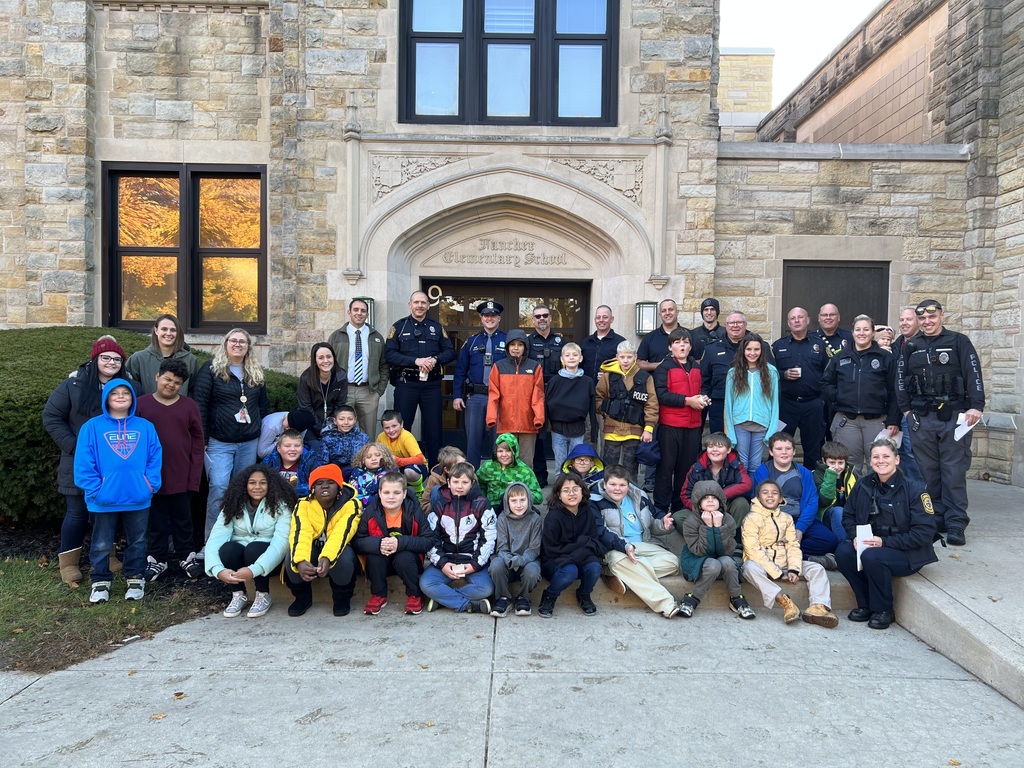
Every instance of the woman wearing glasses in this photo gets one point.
(232, 398)
(72, 403)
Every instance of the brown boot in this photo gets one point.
(70, 573)
(790, 612)
(820, 614)
(115, 564)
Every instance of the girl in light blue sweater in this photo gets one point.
(751, 400)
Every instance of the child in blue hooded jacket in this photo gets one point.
(118, 459)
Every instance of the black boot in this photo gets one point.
(303, 598)
(343, 597)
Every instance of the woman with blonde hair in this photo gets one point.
(232, 398)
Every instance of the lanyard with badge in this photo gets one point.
(242, 417)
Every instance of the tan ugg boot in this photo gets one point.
(821, 615)
(790, 612)
(70, 573)
(115, 564)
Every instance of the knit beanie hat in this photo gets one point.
(711, 303)
(107, 344)
(300, 420)
(327, 472)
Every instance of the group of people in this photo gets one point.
(309, 493)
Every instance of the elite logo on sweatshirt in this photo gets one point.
(122, 443)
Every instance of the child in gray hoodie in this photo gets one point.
(517, 552)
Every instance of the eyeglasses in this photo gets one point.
(930, 308)
(109, 359)
(736, 322)
(828, 314)
(571, 489)
(237, 342)
(542, 317)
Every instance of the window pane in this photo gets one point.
(437, 78)
(579, 81)
(148, 286)
(229, 213)
(508, 16)
(508, 80)
(581, 17)
(230, 290)
(437, 16)
(148, 211)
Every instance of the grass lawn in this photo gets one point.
(45, 626)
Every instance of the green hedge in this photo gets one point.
(32, 363)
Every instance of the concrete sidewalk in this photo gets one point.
(623, 687)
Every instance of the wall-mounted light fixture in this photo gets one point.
(646, 317)
(369, 309)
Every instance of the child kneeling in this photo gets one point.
(709, 534)
(517, 558)
(771, 552)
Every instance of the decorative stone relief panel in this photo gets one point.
(392, 171)
(624, 176)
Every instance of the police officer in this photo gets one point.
(600, 346)
(714, 369)
(836, 340)
(940, 379)
(709, 330)
(472, 374)
(800, 360)
(546, 348)
(417, 349)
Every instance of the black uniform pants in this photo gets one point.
(807, 417)
(872, 586)
(944, 462)
(426, 395)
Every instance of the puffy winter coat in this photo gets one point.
(219, 401)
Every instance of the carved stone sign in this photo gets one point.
(506, 251)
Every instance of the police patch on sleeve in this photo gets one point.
(391, 333)
(926, 502)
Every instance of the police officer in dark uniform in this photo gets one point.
(709, 330)
(714, 369)
(472, 374)
(800, 360)
(836, 340)
(417, 349)
(939, 380)
(902, 521)
(546, 348)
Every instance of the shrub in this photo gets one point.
(32, 363)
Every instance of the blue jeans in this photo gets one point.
(564, 575)
(750, 447)
(76, 521)
(438, 587)
(479, 439)
(561, 446)
(834, 521)
(104, 526)
(224, 461)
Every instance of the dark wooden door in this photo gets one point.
(857, 288)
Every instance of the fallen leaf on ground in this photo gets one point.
(17, 631)
(132, 672)
(401, 655)
(954, 762)
(158, 716)
(43, 562)
(179, 695)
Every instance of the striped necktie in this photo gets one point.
(357, 369)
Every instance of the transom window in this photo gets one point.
(188, 240)
(531, 62)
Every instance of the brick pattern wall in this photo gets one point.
(745, 83)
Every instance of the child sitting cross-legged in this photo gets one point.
(292, 460)
(709, 536)
(463, 525)
(517, 558)
(771, 552)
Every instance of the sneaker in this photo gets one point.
(154, 569)
(238, 601)
(100, 592)
(375, 605)
(523, 607)
(479, 606)
(413, 605)
(432, 605)
(688, 605)
(790, 612)
(547, 605)
(671, 613)
(741, 607)
(614, 583)
(260, 605)
(136, 589)
(826, 561)
(502, 607)
(820, 614)
(586, 604)
(193, 566)
(956, 536)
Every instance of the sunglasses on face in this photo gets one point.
(930, 308)
(541, 317)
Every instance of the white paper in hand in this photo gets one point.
(863, 532)
(962, 427)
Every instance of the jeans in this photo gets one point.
(562, 446)
(438, 587)
(479, 439)
(76, 521)
(562, 576)
(104, 526)
(834, 521)
(622, 452)
(224, 461)
(750, 447)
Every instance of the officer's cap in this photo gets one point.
(489, 308)
(928, 305)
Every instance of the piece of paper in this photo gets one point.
(962, 427)
(863, 532)
(884, 435)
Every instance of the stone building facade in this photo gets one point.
(307, 103)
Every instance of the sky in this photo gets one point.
(802, 32)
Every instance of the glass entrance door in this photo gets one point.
(455, 309)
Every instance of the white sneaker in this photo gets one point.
(238, 601)
(136, 589)
(100, 592)
(260, 605)
(154, 569)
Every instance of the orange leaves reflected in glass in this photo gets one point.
(149, 286)
(148, 211)
(230, 290)
(229, 213)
